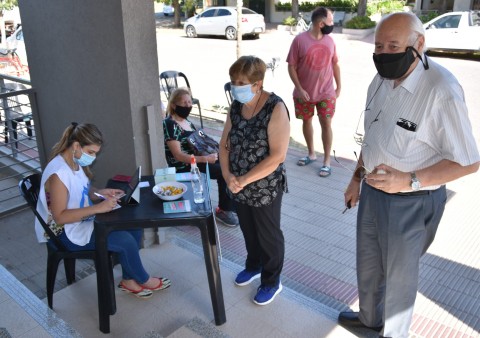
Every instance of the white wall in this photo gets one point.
(13, 15)
(462, 5)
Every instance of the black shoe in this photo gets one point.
(351, 319)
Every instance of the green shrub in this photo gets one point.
(359, 22)
(290, 21)
(385, 6)
(336, 5)
(429, 16)
(283, 6)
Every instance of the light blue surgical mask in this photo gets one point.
(243, 94)
(84, 160)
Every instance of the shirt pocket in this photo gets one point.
(402, 142)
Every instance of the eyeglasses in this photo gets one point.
(358, 136)
(350, 169)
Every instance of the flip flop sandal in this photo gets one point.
(305, 161)
(325, 171)
(143, 293)
(163, 284)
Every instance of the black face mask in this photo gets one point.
(326, 29)
(394, 66)
(183, 112)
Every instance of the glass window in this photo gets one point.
(448, 22)
(453, 21)
(208, 13)
(247, 11)
(223, 12)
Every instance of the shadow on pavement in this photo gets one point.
(452, 286)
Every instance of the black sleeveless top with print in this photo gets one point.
(248, 145)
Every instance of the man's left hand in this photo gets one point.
(388, 179)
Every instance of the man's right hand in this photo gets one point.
(352, 193)
(303, 95)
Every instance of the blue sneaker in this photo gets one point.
(246, 277)
(266, 294)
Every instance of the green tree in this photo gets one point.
(295, 9)
(176, 8)
(177, 12)
(5, 5)
(362, 7)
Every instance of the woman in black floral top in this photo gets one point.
(253, 147)
(177, 128)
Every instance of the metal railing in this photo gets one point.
(18, 145)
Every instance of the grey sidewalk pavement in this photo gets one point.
(319, 272)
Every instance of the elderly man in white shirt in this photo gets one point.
(417, 138)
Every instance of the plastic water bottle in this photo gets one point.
(197, 186)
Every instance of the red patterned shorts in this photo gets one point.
(305, 110)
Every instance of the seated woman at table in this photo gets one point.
(66, 203)
(176, 129)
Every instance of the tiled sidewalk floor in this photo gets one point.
(319, 265)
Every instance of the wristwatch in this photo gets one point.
(415, 183)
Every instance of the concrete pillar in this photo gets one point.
(96, 61)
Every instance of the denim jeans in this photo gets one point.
(127, 244)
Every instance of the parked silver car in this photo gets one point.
(223, 21)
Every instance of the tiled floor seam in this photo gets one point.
(307, 291)
(430, 328)
(306, 301)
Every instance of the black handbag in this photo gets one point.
(202, 144)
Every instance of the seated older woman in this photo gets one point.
(177, 128)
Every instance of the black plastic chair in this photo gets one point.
(228, 92)
(169, 81)
(29, 189)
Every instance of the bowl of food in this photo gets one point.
(169, 191)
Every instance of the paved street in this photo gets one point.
(206, 61)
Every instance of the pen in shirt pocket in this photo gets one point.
(407, 125)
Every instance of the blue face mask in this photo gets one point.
(84, 160)
(243, 94)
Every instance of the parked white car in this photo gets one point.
(168, 10)
(454, 31)
(223, 21)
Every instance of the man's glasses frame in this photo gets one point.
(359, 136)
(350, 169)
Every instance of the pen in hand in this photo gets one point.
(349, 205)
(100, 195)
(104, 198)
